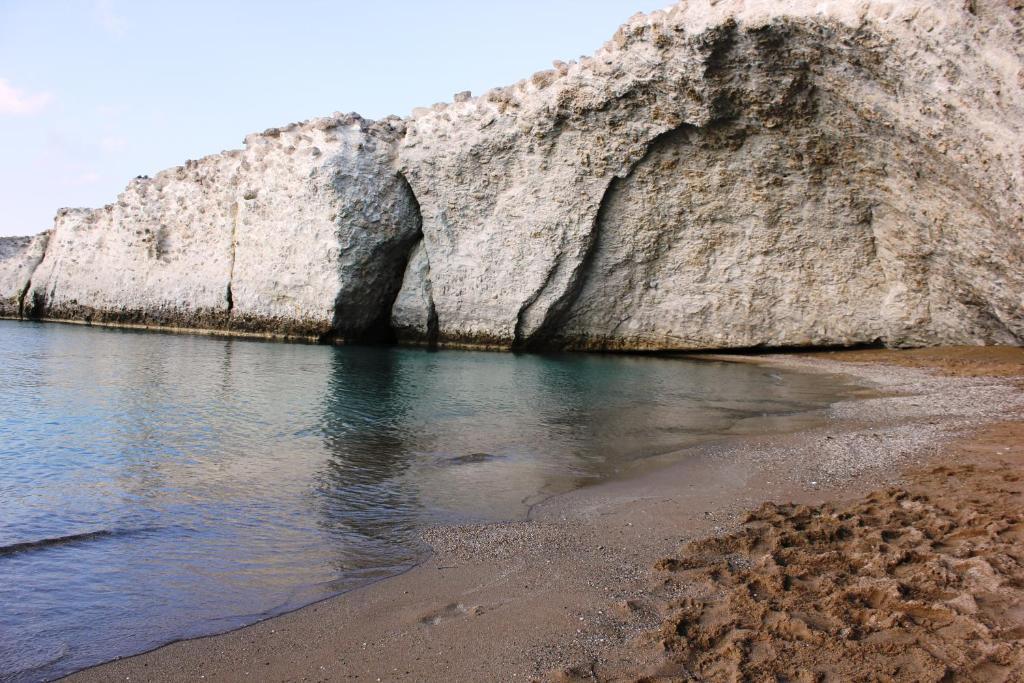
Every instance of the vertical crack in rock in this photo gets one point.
(19, 260)
(28, 281)
(559, 286)
(428, 293)
(21, 298)
(433, 327)
(548, 330)
(37, 302)
(414, 318)
(524, 338)
(230, 299)
(413, 315)
(521, 338)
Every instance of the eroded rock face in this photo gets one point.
(741, 234)
(737, 174)
(304, 232)
(19, 257)
(747, 174)
(736, 235)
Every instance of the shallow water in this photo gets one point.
(155, 487)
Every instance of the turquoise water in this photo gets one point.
(155, 487)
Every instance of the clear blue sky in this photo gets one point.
(95, 92)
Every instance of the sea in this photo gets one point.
(155, 486)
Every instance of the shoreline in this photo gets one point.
(530, 599)
(328, 339)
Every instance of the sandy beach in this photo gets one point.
(883, 542)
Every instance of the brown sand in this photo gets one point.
(921, 582)
(915, 582)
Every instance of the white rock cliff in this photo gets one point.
(305, 232)
(719, 175)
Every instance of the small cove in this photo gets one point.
(155, 487)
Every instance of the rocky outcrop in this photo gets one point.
(305, 232)
(719, 175)
(19, 257)
(742, 174)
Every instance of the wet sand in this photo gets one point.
(666, 575)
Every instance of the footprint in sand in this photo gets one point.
(451, 611)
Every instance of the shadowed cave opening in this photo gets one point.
(394, 262)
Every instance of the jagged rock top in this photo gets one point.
(592, 81)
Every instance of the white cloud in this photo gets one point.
(14, 101)
(108, 18)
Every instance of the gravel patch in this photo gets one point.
(873, 439)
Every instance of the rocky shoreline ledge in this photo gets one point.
(730, 174)
(597, 586)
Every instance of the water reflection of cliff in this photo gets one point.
(482, 435)
(364, 502)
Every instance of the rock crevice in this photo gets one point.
(413, 316)
(19, 259)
